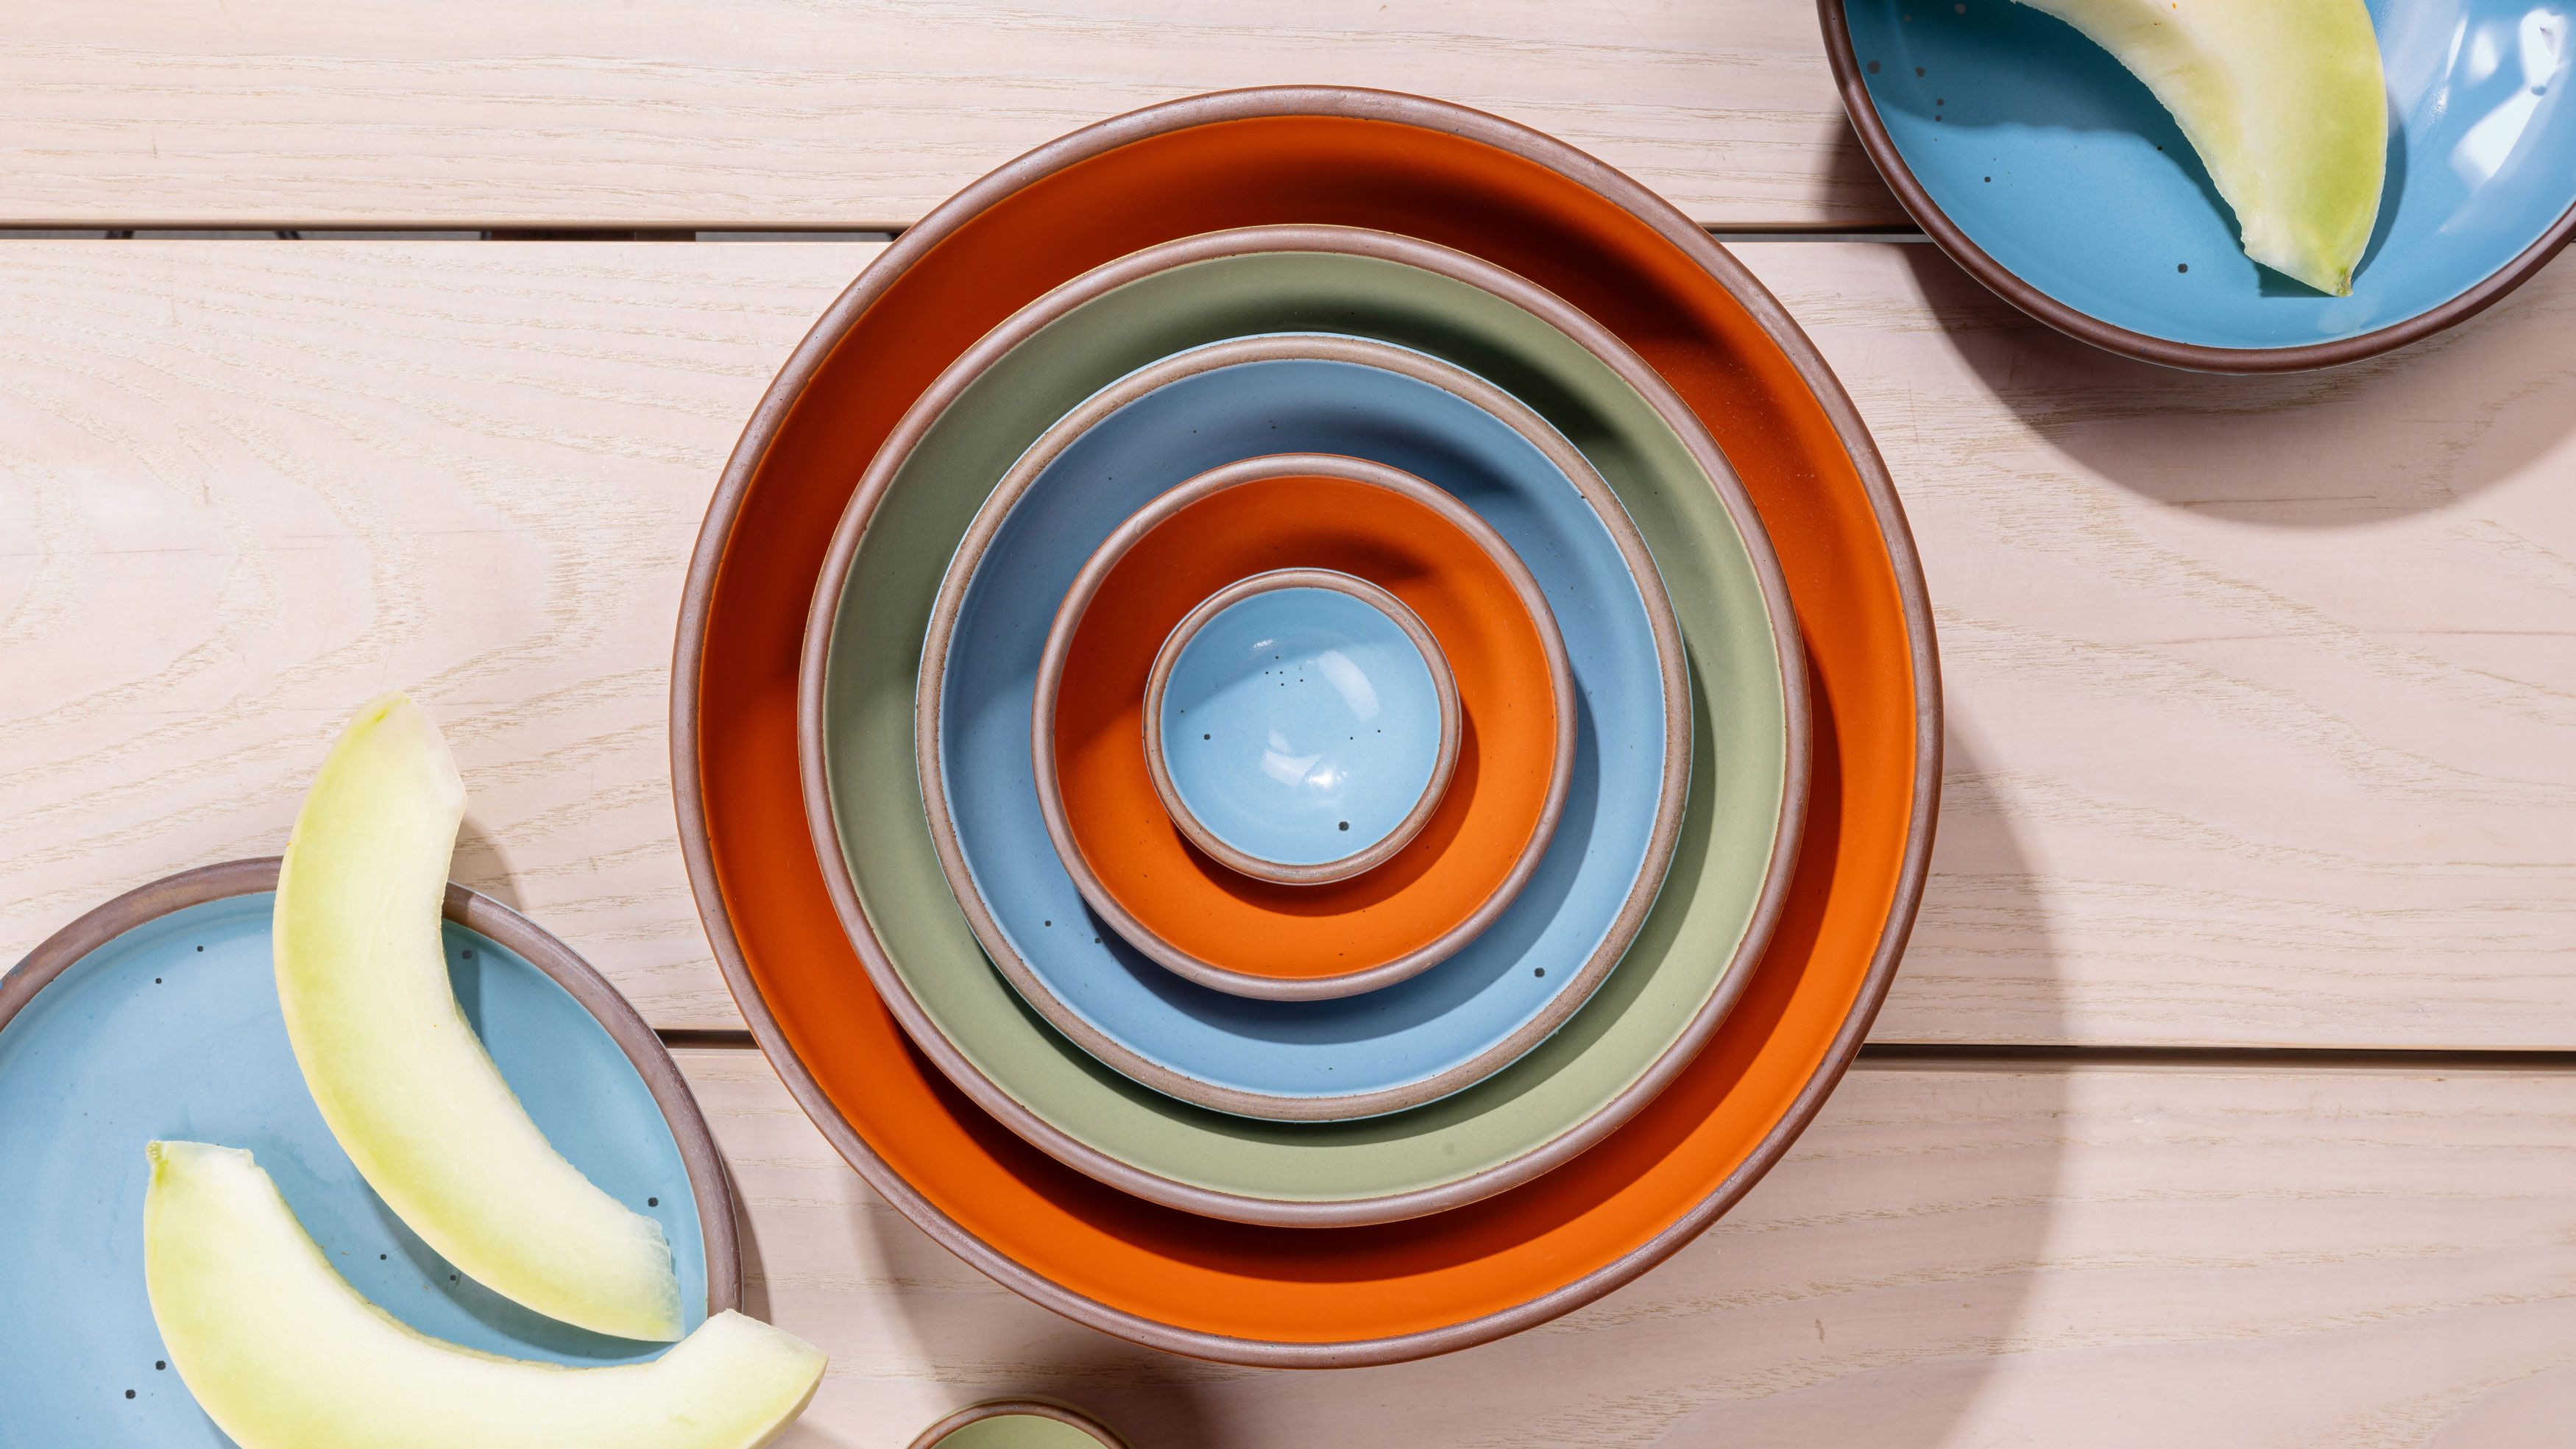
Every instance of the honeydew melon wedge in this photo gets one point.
(2285, 102)
(404, 1083)
(283, 1354)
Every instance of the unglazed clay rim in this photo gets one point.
(1023, 1408)
(709, 1182)
(2200, 357)
(1444, 761)
(1672, 668)
(1059, 647)
(1905, 566)
(1363, 352)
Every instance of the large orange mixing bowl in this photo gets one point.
(1325, 1296)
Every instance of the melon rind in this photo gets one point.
(282, 1353)
(2285, 102)
(397, 1071)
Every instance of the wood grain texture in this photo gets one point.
(2262, 692)
(765, 113)
(1949, 1257)
(246, 486)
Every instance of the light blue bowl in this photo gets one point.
(1302, 725)
(171, 1030)
(1386, 1041)
(2058, 168)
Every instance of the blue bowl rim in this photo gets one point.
(2198, 357)
(709, 1182)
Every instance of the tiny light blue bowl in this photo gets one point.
(1304, 724)
(1314, 1057)
(156, 1017)
(2052, 174)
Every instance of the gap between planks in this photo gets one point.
(1912, 1056)
(1783, 232)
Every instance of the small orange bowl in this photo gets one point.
(1235, 932)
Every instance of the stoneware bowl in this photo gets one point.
(822, 991)
(1301, 725)
(1019, 1424)
(1673, 983)
(1060, 509)
(1088, 724)
(2054, 176)
(156, 1015)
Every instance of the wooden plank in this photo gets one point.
(762, 113)
(249, 485)
(2262, 691)
(2259, 690)
(2106, 1257)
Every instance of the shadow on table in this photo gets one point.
(1857, 1295)
(479, 865)
(1904, 1236)
(2412, 431)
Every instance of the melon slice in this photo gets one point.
(283, 1354)
(2284, 101)
(401, 1078)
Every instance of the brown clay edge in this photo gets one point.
(708, 556)
(1062, 1413)
(709, 1182)
(1444, 762)
(2085, 327)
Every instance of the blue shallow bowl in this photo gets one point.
(2053, 175)
(1305, 1059)
(1302, 725)
(156, 1016)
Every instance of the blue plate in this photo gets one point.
(1301, 726)
(2052, 173)
(1306, 1058)
(170, 1028)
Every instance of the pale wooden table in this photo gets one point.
(2223, 1099)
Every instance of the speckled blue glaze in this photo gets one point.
(1376, 1040)
(172, 1030)
(1300, 725)
(2062, 166)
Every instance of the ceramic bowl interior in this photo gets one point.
(156, 1016)
(2061, 167)
(1673, 983)
(1399, 1045)
(817, 996)
(1301, 725)
(1108, 820)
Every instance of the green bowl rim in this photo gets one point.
(1788, 659)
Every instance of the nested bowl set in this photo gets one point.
(1307, 726)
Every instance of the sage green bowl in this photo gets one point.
(1019, 1424)
(1747, 792)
